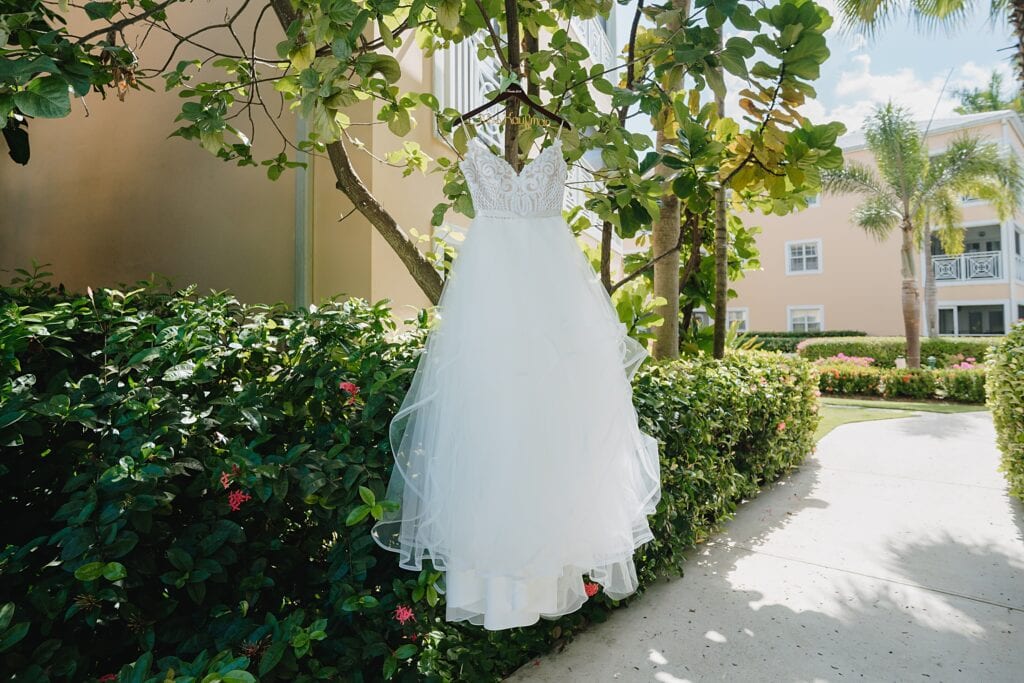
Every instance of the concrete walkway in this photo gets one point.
(894, 554)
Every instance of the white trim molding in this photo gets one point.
(819, 308)
(744, 317)
(818, 254)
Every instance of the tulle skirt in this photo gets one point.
(519, 463)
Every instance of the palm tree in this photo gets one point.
(871, 16)
(988, 98)
(909, 190)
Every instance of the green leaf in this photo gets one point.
(114, 571)
(45, 98)
(400, 123)
(406, 651)
(181, 560)
(238, 676)
(385, 65)
(6, 613)
(101, 10)
(180, 371)
(357, 515)
(272, 656)
(367, 496)
(90, 571)
(390, 667)
(448, 13)
(12, 635)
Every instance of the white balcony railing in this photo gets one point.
(1020, 267)
(461, 80)
(593, 35)
(972, 267)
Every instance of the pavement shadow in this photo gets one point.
(846, 628)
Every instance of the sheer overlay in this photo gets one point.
(519, 463)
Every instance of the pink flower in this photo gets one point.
(225, 478)
(236, 498)
(108, 677)
(590, 588)
(403, 614)
(781, 427)
(351, 389)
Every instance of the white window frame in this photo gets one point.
(744, 317)
(789, 258)
(790, 310)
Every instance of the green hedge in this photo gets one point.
(189, 484)
(885, 350)
(961, 386)
(1006, 399)
(786, 342)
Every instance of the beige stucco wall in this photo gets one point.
(108, 198)
(859, 286)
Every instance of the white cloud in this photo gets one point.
(861, 88)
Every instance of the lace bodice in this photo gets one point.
(497, 190)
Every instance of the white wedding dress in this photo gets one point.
(519, 463)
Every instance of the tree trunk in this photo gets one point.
(665, 237)
(607, 232)
(931, 295)
(512, 108)
(349, 182)
(911, 298)
(721, 252)
(1015, 14)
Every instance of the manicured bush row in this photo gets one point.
(1006, 399)
(786, 342)
(961, 386)
(885, 350)
(189, 484)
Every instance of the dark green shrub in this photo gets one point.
(188, 486)
(132, 423)
(885, 350)
(786, 342)
(1006, 399)
(963, 386)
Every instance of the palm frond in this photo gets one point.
(946, 217)
(878, 215)
(973, 167)
(853, 178)
(899, 151)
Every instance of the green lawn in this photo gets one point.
(925, 406)
(840, 411)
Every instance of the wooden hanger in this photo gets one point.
(513, 92)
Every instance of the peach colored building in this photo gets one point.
(819, 271)
(108, 198)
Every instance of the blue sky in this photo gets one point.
(902, 63)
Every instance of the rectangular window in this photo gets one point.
(814, 200)
(803, 257)
(946, 318)
(739, 316)
(806, 318)
(1020, 312)
(1016, 239)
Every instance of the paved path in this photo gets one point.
(894, 554)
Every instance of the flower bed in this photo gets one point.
(189, 484)
(1006, 399)
(847, 379)
(948, 351)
